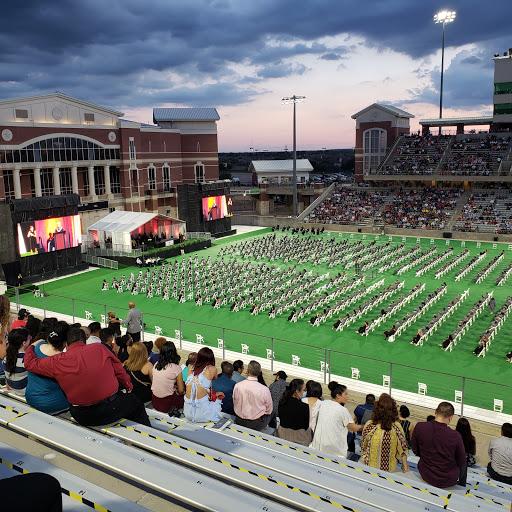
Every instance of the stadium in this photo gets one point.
(397, 284)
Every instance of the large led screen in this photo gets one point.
(47, 235)
(216, 207)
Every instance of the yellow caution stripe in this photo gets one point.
(64, 491)
(239, 468)
(486, 499)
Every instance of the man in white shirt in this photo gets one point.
(94, 337)
(251, 400)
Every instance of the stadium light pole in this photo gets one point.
(294, 99)
(443, 17)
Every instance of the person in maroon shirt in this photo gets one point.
(441, 450)
(91, 377)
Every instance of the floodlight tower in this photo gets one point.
(443, 17)
(294, 99)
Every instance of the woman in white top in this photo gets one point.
(333, 423)
(314, 399)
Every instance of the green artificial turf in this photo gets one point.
(441, 371)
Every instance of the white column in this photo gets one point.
(17, 183)
(92, 185)
(106, 169)
(56, 181)
(37, 181)
(74, 179)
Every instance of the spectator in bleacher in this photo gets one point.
(90, 376)
(122, 347)
(314, 399)
(114, 324)
(440, 449)
(383, 441)
(33, 327)
(168, 387)
(238, 368)
(225, 384)
(464, 429)
(21, 319)
(276, 391)
(44, 393)
(94, 337)
(106, 336)
(363, 412)
(133, 322)
(189, 364)
(86, 331)
(334, 422)
(31, 491)
(252, 401)
(500, 452)
(294, 415)
(407, 426)
(154, 355)
(140, 371)
(5, 325)
(14, 369)
(198, 406)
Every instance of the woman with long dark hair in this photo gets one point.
(200, 404)
(383, 441)
(123, 346)
(464, 429)
(294, 415)
(44, 393)
(168, 386)
(15, 373)
(334, 422)
(140, 371)
(407, 426)
(314, 400)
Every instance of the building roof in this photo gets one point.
(303, 165)
(395, 111)
(185, 114)
(62, 96)
(120, 221)
(452, 121)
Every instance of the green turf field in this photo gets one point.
(371, 354)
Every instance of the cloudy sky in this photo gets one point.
(243, 57)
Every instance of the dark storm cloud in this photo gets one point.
(124, 52)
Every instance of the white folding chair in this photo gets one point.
(458, 397)
(295, 360)
(88, 315)
(199, 339)
(245, 349)
(270, 354)
(158, 331)
(422, 388)
(177, 334)
(498, 405)
(355, 373)
(386, 380)
(220, 343)
(324, 366)
(103, 319)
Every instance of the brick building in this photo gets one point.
(54, 144)
(377, 127)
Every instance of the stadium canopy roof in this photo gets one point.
(185, 114)
(120, 225)
(387, 108)
(303, 164)
(453, 121)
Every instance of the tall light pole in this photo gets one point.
(294, 99)
(443, 17)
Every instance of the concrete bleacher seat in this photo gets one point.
(77, 494)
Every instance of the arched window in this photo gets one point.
(374, 148)
(199, 172)
(152, 177)
(166, 171)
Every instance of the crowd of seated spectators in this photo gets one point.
(417, 154)
(349, 206)
(426, 208)
(486, 211)
(475, 157)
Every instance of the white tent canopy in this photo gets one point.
(120, 225)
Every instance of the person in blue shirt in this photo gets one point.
(224, 384)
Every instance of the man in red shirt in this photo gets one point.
(91, 377)
(21, 321)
